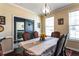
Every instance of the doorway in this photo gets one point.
(22, 25)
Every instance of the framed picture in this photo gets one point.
(1, 28)
(2, 20)
(60, 21)
(38, 25)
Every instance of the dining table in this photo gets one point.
(38, 47)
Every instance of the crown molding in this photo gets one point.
(22, 8)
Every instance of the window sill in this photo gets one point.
(73, 40)
(73, 49)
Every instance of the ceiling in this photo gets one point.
(37, 7)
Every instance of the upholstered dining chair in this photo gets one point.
(26, 36)
(59, 46)
(55, 34)
(63, 52)
(35, 34)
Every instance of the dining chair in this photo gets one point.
(35, 34)
(26, 36)
(63, 52)
(59, 46)
(55, 34)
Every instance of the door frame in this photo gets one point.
(21, 20)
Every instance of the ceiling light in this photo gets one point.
(46, 9)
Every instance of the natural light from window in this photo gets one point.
(74, 25)
(49, 25)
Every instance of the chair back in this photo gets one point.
(35, 34)
(66, 37)
(63, 47)
(55, 34)
(26, 36)
(59, 46)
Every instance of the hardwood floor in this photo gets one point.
(14, 53)
(17, 52)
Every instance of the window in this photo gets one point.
(49, 25)
(19, 30)
(74, 25)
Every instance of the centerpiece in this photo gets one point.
(42, 37)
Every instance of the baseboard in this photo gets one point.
(8, 51)
(73, 49)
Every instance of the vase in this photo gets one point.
(42, 39)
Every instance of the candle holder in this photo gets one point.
(42, 39)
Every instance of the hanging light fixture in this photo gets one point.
(46, 9)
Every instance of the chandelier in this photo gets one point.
(46, 9)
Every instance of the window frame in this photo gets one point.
(49, 26)
(73, 15)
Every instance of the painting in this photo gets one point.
(60, 21)
(2, 20)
